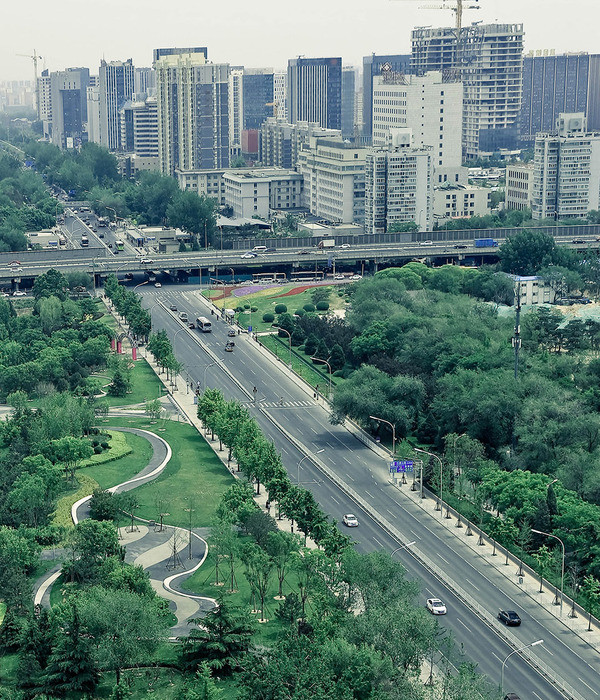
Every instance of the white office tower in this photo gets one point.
(280, 142)
(280, 93)
(430, 105)
(116, 82)
(93, 113)
(236, 112)
(193, 112)
(44, 103)
(398, 184)
(139, 132)
(488, 59)
(334, 179)
(566, 170)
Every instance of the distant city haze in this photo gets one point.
(261, 33)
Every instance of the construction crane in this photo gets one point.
(35, 58)
(457, 6)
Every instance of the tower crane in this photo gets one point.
(35, 58)
(457, 6)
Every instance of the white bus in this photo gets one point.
(203, 324)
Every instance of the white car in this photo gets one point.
(245, 256)
(4, 294)
(344, 246)
(158, 285)
(356, 277)
(435, 606)
(339, 277)
(19, 294)
(146, 261)
(350, 520)
(426, 242)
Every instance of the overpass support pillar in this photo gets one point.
(112, 343)
(119, 348)
(134, 353)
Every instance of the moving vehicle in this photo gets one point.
(203, 324)
(229, 346)
(486, 243)
(85, 241)
(511, 696)
(509, 617)
(146, 261)
(191, 325)
(461, 246)
(183, 316)
(426, 242)
(350, 520)
(119, 245)
(19, 294)
(259, 249)
(245, 256)
(271, 250)
(14, 263)
(158, 285)
(231, 332)
(339, 277)
(356, 277)
(173, 307)
(344, 246)
(435, 606)
(326, 243)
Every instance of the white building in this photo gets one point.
(519, 186)
(236, 113)
(256, 192)
(280, 93)
(566, 170)
(334, 179)
(93, 113)
(139, 128)
(452, 201)
(398, 184)
(431, 105)
(533, 290)
(193, 112)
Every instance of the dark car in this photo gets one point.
(509, 617)
(229, 346)
(231, 332)
(191, 324)
(173, 307)
(578, 241)
(271, 250)
(511, 696)
(461, 246)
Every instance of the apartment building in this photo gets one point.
(519, 186)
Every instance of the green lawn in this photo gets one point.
(109, 474)
(193, 473)
(145, 386)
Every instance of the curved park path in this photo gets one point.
(162, 552)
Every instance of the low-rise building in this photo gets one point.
(258, 191)
(452, 201)
(533, 290)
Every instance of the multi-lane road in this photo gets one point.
(347, 476)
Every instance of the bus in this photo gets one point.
(85, 241)
(203, 324)
(62, 240)
(119, 245)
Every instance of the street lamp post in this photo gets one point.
(210, 364)
(393, 427)
(441, 498)
(306, 456)
(290, 341)
(404, 546)
(562, 569)
(325, 362)
(533, 644)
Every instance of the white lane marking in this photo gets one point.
(378, 542)
(536, 695)
(348, 475)
(443, 558)
(587, 686)
(333, 498)
(548, 651)
(370, 495)
(347, 460)
(467, 628)
(472, 584)
(390, 512)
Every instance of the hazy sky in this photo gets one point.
(261, 33)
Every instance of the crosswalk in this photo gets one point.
(287, 404)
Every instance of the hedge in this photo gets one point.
(62, 514)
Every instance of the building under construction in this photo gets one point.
(488, 59)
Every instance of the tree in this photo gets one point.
(71, 667)
(259, 568)
(203, 687)
(280, 546)
(220, 639)
(70, 451)
(51, 284)
(153, 409)
(193, 213)
(50, 311)
(529, 251)
(91, 542)
(126, 628)
(337, 359)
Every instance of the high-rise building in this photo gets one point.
(160, 53)
(398, 184)
(44, 103)
(334, 179)
(430, 105)
(280, 93)
(566, 170)
(257, 96)
(489, 61)
(315, 91)
(139, 127)
(372, 66)
(68, 95)
(193, 112)
(519, 186)
(144, 81)
(236, 113)
(280, 141)
(116, 83)
(348, 100)
(555, 84)
(93, 112)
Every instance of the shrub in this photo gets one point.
(97, 450)
(322, 305)
(309, 307)
(268, 317)
(254, 309)
(105, 445)
(280, 309)
(299, 312)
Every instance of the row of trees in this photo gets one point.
(129, 305)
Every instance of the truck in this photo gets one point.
(326, 243)
(486, 243)
(85, 241)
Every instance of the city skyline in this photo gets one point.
(253, 34)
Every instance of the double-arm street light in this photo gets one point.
(562, 569)
(403, 546)
(441, 498)
(210, 364)
(392, 426)
(533, 644)
(310, 454)
(289, 339)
